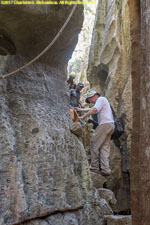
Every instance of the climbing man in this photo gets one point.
(70, 81)
(100, 141)
(75, 95)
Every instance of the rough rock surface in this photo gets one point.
(109, 74)
(97, 180)
(137, 74)
(108, 195)
(44, 175)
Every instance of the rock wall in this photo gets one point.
(44, 174)
(141, 38)
(109, 74)
(135, 21)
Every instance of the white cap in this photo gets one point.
(90, 94)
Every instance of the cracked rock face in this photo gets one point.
(43, 167)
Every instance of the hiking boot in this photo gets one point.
(94, 170)
(105, 174)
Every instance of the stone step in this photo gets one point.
(118, 220)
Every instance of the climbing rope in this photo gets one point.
(45, 50)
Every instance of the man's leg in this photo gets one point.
(105, 152)
(97, 140)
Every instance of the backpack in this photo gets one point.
(118, 131)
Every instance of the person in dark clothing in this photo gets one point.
(70, 81)
(75, 95)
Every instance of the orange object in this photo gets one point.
(74, 115)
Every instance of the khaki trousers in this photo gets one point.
(100, 147)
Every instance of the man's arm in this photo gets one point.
(82, 109)
(91, 112)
